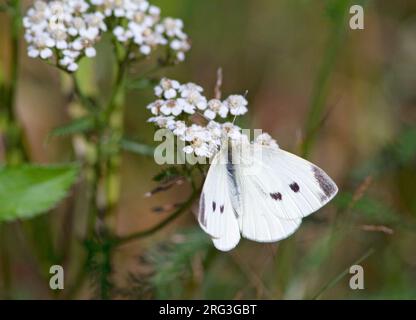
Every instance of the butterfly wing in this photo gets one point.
(217, 215)
(288, 185)
(264, 194)
(258, 220)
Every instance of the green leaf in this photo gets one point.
(137, 148)
(79, 125)
(28, 190)
(172, 262)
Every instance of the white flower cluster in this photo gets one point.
(68, 30)
(175, 110)
(140, 23)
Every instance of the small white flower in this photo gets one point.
(122, 34)
(95, 20)
(179, 128)
(72, 67)
(231, 131)
(171, 107)
(196, 131)
(162, 121)
(180, 56)
(237, 104)
(208, 113)
(215, 107)
(146, 50)
(215, 132)
(90, 52)
(176, 44)
(79, 6)
(188, 149)
(266, 140)
(169, 94)
(66, 60)
(46, 53)
(186, 106)
(167, 88)
(155, 107)
(199, 147)
(32, 52)
(154, 11)
(172, 27)
(89, 34)
(187, 89)
(75, 26)
(196, 99)
(71, 53)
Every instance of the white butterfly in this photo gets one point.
(260, 192)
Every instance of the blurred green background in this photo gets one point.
(290, 56)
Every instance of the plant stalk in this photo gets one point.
(142, 234)
(15, 151)
(322, 82)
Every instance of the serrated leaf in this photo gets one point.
(79, 125)
(172, 261)
(28, 190)
(136, 147)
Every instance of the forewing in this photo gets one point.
(290, 186)
(216, 213)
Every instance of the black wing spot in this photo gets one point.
(214, 206)
(222, 208)
(276, 196)
(295, 187)
(326, 185)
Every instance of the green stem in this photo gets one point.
(338, 278)
(113, 131)
(118, 84)
(106, 171)
(15, 151)
(105, 271)
(141, 234)
(321, 85)
(84, 100)
(95, 181)
(5, 263)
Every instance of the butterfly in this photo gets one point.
(260, 193)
